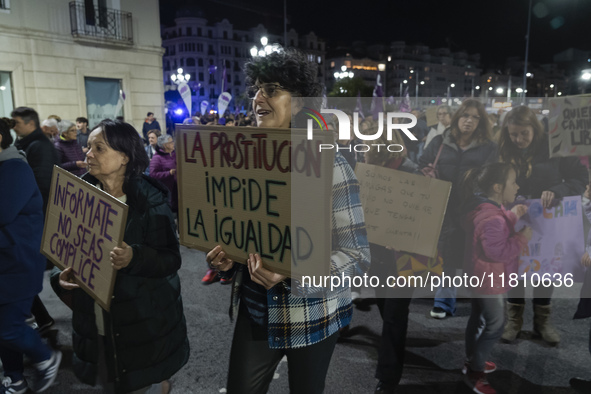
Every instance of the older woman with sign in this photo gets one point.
(142, 340)
(466, 144)
(523, 143)
(271, 321)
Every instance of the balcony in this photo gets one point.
(101, 24)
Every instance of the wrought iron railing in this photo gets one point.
(101, 23)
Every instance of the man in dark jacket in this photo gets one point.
(150, 124)
(41, 153)
(41, 156)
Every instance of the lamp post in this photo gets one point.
(416, 87)
(453, 85)
(403, 82)
(526, 50)
(179, 77)
(265, 49)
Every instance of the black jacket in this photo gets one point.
(42, 156)
(452, 166)
(145, 331)
(565, 176)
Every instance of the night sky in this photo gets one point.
(495, 29)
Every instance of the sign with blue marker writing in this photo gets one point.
(557, 244)
(254, 190)
(570, 126)
(82, 225)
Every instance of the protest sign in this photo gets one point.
(557, 244)
(82, 225)
(402, 210)
(431, 114)
(570, 126)
(236, 189)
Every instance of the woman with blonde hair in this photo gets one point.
(524, 144)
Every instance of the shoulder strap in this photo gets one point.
(438, 153)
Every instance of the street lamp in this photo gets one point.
(179, 77)
(499, 90)
(453, 85)
(265, 48)
(403, 82)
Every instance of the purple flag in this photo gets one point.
(405, 104)
(359, 107)
(377, 103)
(224, 82)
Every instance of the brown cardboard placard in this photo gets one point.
(431, 114)
(235, 190)
(569, 124)
(402, 210)
(82, 225)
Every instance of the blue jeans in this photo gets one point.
(17, 338)
(445, 298)
(485, 328)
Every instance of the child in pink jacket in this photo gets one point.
(492, 251)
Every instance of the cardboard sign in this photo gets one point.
(570, 126)
(431, 114)
(250, 190)
(402, 210)
(82, 225)
(557, 244)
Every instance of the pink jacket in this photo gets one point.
(492, 246)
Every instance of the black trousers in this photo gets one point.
(392, 348)
(253, 363)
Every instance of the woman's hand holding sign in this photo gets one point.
(216, 258)
(121, 256)
(67, 279)
(261, 275)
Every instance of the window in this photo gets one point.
(200, 77)
(181, 48)
(5, 5)
(190, 62)
(210, 34)
(199, 47)
(229, 76)
(228, 64)
(6, 102)
(211, 92)
(189, 31)
(202, 91)
(225, 35)
(210, 50)
(199, 32)
(182, 62)
(102, 96)
(200, 62)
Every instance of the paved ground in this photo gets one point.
(434, 354)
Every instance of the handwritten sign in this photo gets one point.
(570, 126)
(557, 244)
(265, 191)
(82, 225)
(402, 210)
(431, 114)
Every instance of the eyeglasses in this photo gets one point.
(268, 90)
(475, 118)
(442, 113)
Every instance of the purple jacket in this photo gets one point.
(69, 152)
(160, 167)
(492, 246)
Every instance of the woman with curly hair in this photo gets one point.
(272, 322)
(524, 144)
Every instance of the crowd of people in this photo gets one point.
(139, 344)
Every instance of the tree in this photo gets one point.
(350, 87)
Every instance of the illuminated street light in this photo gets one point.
(499, 90)
(179, 77)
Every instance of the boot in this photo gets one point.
(542, 325)
(514, 322)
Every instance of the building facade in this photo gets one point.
(92, 58)
(203, 50)
(403, 66)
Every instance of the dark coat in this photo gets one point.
(21, 228)
(452, 166)
(565, 176)
(149, 126)
(41, 156)
(69, 152)
(145, 331)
